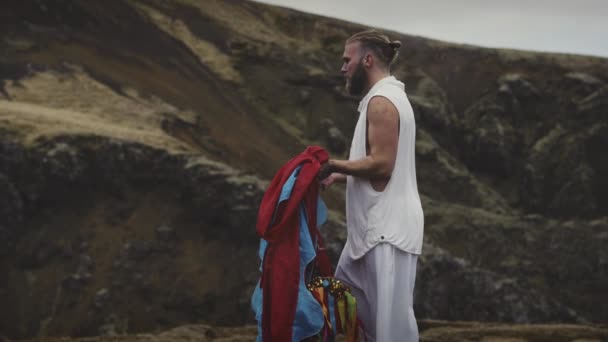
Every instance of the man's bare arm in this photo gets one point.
(382, 135)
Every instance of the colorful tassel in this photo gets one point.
(339, 308)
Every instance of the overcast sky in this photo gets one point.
(571, 26)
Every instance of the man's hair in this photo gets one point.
(377, 42)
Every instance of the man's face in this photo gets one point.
(353, 69)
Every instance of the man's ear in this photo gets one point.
(368, 60)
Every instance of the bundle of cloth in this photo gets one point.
(297, 297)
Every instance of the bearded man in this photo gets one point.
(384, 215)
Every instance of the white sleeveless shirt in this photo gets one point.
(393, 215)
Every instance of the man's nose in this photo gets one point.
(343, 70)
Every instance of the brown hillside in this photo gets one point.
(136, 138)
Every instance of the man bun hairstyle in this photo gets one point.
(377, 42)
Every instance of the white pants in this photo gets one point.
(382, 282)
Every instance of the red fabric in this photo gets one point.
(280, 269)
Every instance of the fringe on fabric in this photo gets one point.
(339, 308)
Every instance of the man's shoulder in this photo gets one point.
(391, 92)
(380, 105)
(379, 100)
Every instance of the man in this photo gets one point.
(383, 211)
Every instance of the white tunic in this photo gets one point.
(393, 215)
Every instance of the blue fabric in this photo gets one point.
(309, 315)
(288, 186)
(285, 194)
(321, 213)
(332, 314)
(309, 318)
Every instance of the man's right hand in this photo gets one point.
(327, 182)
(331, 179)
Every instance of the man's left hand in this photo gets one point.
(325, 170)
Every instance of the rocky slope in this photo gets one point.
(136, 138)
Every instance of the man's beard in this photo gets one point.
(357, 83)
